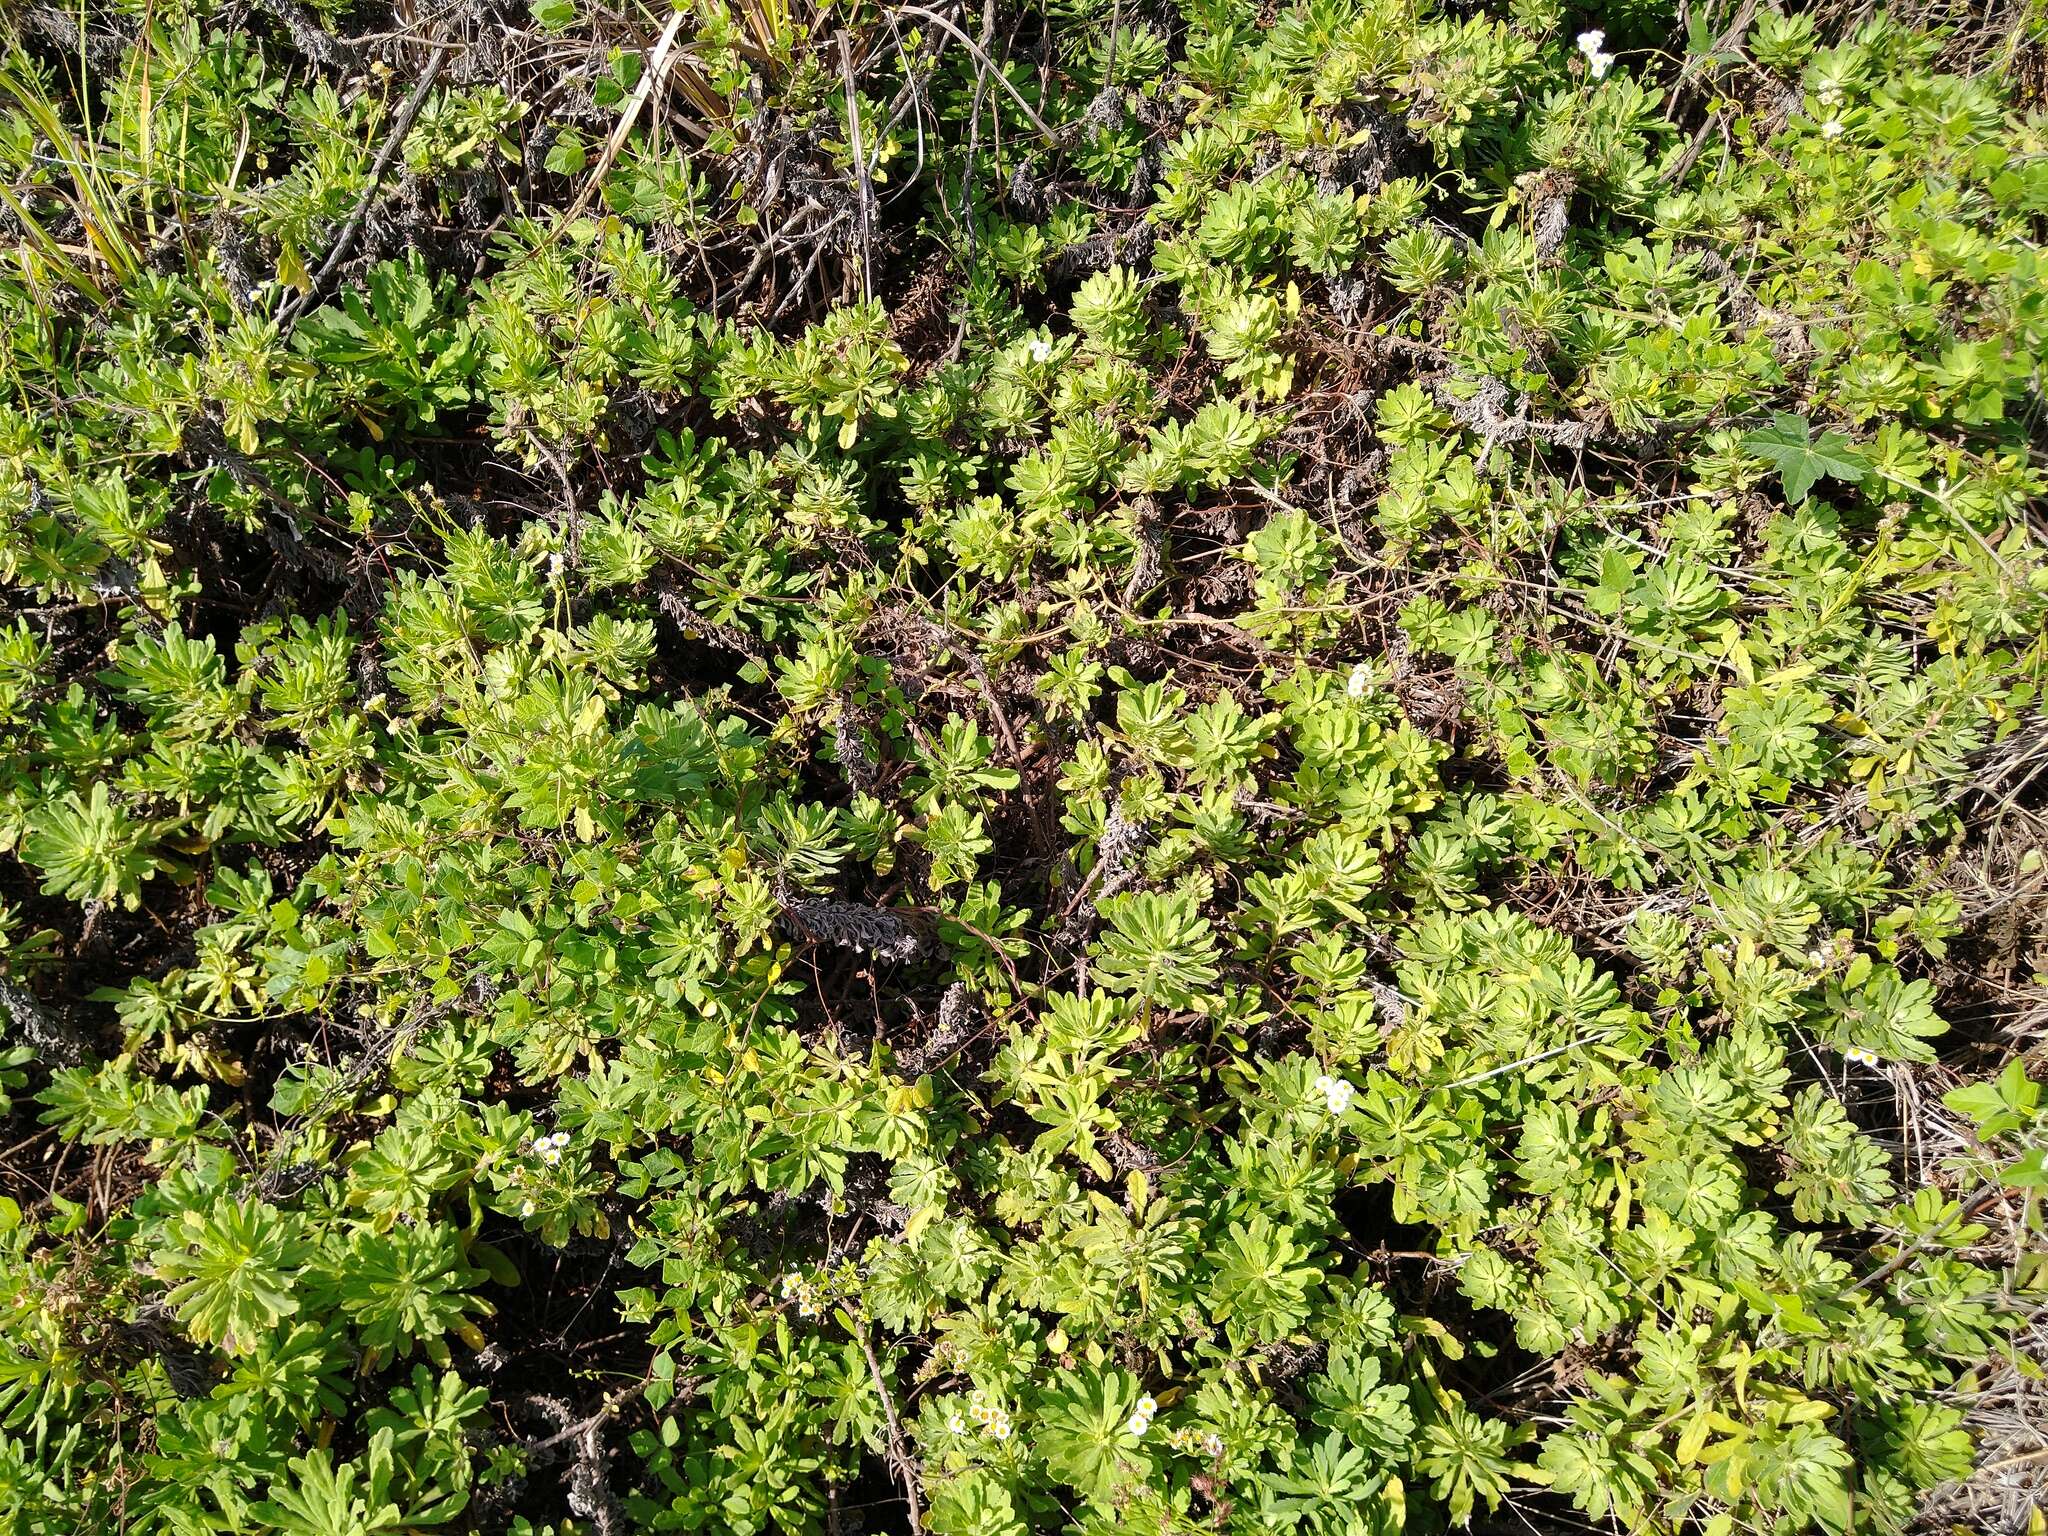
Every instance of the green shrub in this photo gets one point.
(1206, 772)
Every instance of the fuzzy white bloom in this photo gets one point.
(1336, 1093)
(1355, 686)
(1860, 1056)
(1213, 1443)
(555, 566)
(955, 1424)
(1831, 129)
(1040, 350)
(255, 294)
(999, 1427)
(1594, 46)
(1147, 1407)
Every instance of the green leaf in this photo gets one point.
(2003, 1105)
(1084, 1431)
(231, 1272)
(567, 156)
(1789, 444)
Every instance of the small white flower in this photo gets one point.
(555, 566)
(1360, 676)
(999, 1427)
(1336, 1093)
(1147, 1407)
(1860, 1056)
(1598, 61)
(526, 1209)
(955, 1424)
(1136, 1425)
(1040, 350)
(1213, 1444)
(255, 295)
(1831, 129)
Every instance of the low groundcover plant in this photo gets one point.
(1141, 767)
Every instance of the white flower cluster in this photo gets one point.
(1598, 60)
(1355, 687)
(1190, 1441)
(993, 1419)
(1040, 350)
(1336, 1093)
(1860, 1056)
(550, 1147)
(798, 1288)
(1141, 1418)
